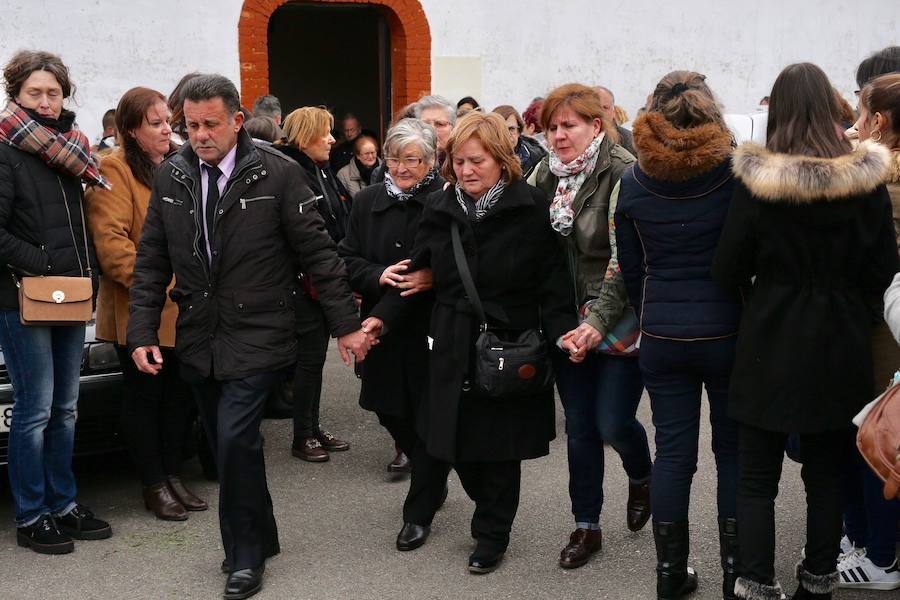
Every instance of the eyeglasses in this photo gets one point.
(410, 162)
(439, 124)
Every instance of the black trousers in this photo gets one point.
(402, 429)
(760, 456)
(232, 412)
(154, 416)
(493, 486)
(312, 348)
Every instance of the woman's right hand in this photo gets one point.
(392, 275)
(372, 327)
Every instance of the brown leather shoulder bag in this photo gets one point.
(878, 440)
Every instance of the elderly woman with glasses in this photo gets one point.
(380, 235)
(519, 272)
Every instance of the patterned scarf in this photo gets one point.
(395, 192)
(483, 204)
(69, 152)
(571, 177)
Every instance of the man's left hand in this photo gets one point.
(356, 343)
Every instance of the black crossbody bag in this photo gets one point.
(503, 368)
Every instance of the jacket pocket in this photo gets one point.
(173, 201)
(246, 202)
(260, 301)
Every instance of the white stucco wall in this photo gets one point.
(524, 47)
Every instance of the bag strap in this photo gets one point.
(463, 266)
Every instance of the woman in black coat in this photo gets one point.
(308, 141)
(669, 214)
(44, 161)
(520, 275)
(810, 220)
(380, 236)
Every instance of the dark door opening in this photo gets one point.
(334, 55)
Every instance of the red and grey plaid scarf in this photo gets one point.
(69, 152)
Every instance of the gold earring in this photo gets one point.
(876, 139)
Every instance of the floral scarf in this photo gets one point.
(68, 152)
(571, 177)
(395, 192)
(483, 204)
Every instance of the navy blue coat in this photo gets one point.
(666, 237)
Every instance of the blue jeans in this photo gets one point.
(674, 373)
(600, 397)
(44, 365)
(870, 521)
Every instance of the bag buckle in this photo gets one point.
(58, 296)
(483, 327)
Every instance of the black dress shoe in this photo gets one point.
(412, 536)
(44, 537)
(81, 524)
(243, 583)
(481, 565)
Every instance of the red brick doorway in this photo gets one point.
(409, 45)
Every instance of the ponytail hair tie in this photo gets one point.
(679, 88)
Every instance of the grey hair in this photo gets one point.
(412, 131)
(207, 87)
(435, 102)
(267, 106)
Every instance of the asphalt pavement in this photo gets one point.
(338, 521)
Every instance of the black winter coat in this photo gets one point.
(382, 232)
(520, 272)
(333, 199)
(668, 217)
(818, 237)
(235, 315)
(41, 229)
(530, 153)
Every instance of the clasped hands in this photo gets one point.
(579, 341)
(411, 283)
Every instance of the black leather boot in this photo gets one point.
(674, 579)
(728, 550)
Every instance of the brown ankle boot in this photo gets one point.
(187, 498)
(159, 499)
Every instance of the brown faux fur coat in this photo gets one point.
(818, 236)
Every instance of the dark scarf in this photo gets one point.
(54, 140)
(475, 209)
(397, 194)
(365, 173)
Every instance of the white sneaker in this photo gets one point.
(857, 571)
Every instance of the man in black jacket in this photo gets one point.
(231, 220)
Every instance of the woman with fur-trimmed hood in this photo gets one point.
(810, 224)
(670, 210)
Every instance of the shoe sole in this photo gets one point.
(98, 534)
(317, 459)
(574, 565)
(336, 449)
(163, 518)
(63, 548)
(410, 547)
(243, 595)
(872, 585)
(399, 470)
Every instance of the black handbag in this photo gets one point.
(505, 366)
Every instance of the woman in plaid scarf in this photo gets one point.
(43, 162)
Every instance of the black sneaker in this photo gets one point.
(81, 524)
(44, 537)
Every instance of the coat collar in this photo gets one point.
(187, 161)
(516, 195)
(384, 202)
(894, 174)
(671, 154)
(794, 179)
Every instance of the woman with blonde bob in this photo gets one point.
(308, 141)
(519, 273)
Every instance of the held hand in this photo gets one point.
(586, 337)
(141, 357)
(415, 282)
(356, 343)
(373, 326)
(391, 276)
(576, 355)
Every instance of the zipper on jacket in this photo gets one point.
(71, 227)
(245, 201)
(198, 251)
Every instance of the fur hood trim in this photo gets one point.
(753, 590)
(671, 154)
(777, 177)
(894, 174)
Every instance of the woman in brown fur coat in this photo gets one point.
(154, 412)
(810, 224)
(670, 211)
